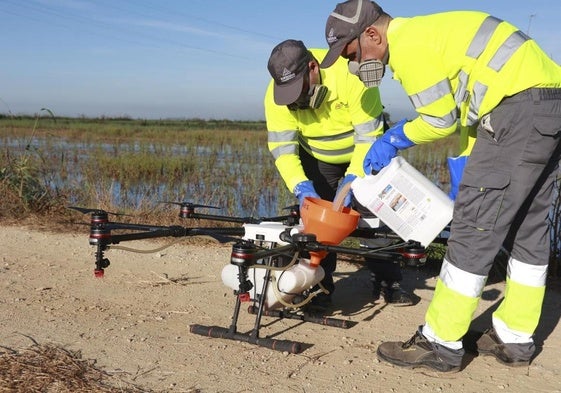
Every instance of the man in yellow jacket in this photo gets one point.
(473, 68)
(320, 125)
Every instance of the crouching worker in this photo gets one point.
(320, 125)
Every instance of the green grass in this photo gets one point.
(220, 163)
(130, 166)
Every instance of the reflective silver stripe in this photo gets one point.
(281, 136)
(479, 91)
(482, 37)
(324, 152)
(327, 138)
(465, 283)
(507, 49)
(499, 59)
(445, 121)
(362, 130)
(462, 94)
(365, 138)
(284, 149)
(369, 126)
(431, 94)
(526, 274)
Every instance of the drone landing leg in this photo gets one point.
(100, 261)
(251, 338)
(327, 321)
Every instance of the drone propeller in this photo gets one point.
(86, 210)
(190, 205)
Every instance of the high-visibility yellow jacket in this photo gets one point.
(340, 131)
(460, 65)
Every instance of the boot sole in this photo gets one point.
(517, 363)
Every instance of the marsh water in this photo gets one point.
(135, 165)
(135, 175)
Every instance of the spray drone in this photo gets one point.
(274, 263)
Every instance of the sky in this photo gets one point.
(207, 59)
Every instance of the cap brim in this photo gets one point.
(288, 93)
(333, 54)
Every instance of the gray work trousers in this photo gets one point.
(506, 190)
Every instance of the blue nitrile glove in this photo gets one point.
(385, 148)
(346, 180)
(305, 189)
(456, 167)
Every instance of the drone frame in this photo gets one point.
(246, 254)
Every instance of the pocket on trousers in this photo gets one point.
(480, 199)
(543, 139)
(547, 125)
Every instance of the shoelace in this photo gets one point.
(413, 340)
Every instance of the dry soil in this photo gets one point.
(135, 322)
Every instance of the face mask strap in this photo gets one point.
(353, 65)
(310, 98)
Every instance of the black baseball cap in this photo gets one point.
(287, 65)
(345, 23)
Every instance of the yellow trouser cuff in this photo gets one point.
(450, 313)
(521, 307)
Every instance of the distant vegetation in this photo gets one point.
(130, 166)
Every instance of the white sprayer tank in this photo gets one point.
(288, 283)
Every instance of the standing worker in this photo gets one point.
(320, 125)
(483, 71)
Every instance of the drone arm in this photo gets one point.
(151, 234)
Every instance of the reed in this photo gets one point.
(132, 166)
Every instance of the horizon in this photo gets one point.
(197, 59)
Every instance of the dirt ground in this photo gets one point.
(134, 323)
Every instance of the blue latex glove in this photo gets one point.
(305, 189)
(348, 198)
(456, 167)
(385, 148)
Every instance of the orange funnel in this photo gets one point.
(331, 227)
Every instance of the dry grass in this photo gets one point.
(52, 369)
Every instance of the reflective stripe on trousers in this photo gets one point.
(504, 198)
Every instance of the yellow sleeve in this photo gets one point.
(282, 130)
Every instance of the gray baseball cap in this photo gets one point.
(345, 23)
(287, 65)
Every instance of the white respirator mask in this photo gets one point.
(371, 71)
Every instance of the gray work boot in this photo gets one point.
(419, 352)
(509, 354)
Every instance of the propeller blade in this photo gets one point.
(86, 210)
(189, 204)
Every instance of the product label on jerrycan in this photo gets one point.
(406, 201)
